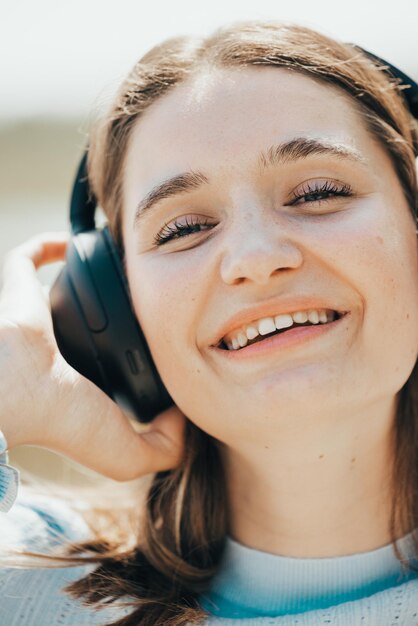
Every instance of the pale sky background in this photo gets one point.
(64, 57)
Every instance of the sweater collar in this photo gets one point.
(253, 583)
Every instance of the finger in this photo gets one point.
(21, 292)
(96, 433)
(44, 248)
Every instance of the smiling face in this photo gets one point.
(284, 203)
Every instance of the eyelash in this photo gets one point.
(327, 187)
(173, 231)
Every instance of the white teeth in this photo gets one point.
(252, 332)
(240, 338)
(323, 317)
(283, 321)
(313, 317)
(266, 326)
(300, 317)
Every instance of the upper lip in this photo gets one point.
(279, 306)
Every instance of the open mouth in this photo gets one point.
(332, 316)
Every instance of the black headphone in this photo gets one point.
(95, 326)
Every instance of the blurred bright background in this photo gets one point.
(61, 62)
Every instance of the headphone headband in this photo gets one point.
(411, 94)
(83, 202)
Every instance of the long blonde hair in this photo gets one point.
(185, 517)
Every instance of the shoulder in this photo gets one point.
(36, 521)
(36, 596)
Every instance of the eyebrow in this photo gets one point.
(289, 151)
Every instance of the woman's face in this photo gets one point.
(285, 203)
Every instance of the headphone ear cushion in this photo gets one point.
(96, 329)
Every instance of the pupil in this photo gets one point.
(317, 196)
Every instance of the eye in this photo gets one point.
(319, 191)
(177, 230)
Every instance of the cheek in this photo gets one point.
(377, 256)
(167, 294)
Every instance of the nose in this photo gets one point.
(258, 250)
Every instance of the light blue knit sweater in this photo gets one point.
(252, 588)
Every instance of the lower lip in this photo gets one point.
(288, 339)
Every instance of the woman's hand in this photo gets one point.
(46, 402)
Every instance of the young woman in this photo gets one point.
(261, 183)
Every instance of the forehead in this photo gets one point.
(218, 116)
